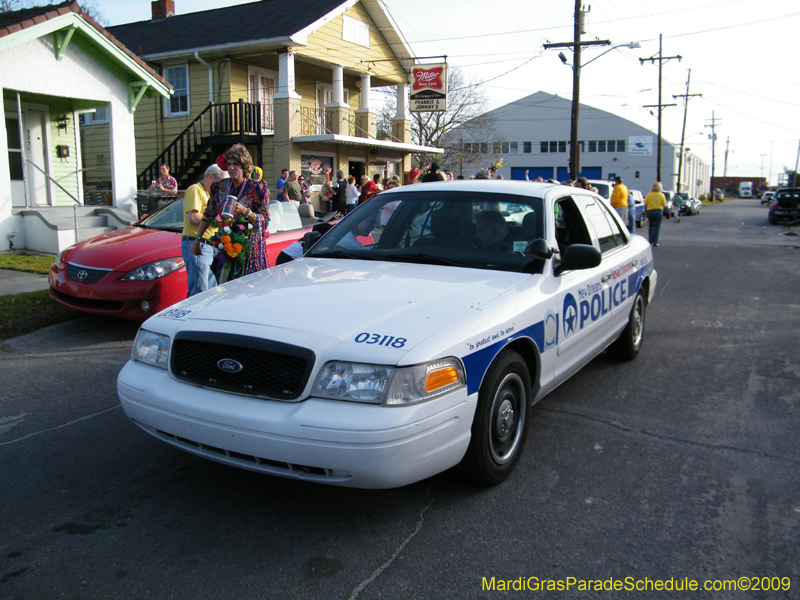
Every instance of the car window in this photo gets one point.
(606, 228)
(569, 223)
(283, 216)
(604, 189)
(170, 218)
(465, 229)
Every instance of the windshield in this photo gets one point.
(604, 189)
(169, 218)
(457, 228)
(283, 217)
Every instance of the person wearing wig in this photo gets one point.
(252, 204)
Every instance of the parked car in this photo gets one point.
(450, 323)
(137, 271)
(767, 198)
(719, 195)
(639, 207)
(689, 204)
(669, 207)
(785, 206)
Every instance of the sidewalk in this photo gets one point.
(17, 282)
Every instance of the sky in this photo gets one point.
(740, 52)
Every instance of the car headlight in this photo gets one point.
(154, 270)
(392, 386)
(151, 348)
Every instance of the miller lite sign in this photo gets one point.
(429, 88)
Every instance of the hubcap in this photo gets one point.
(508, 418)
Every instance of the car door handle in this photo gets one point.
(606, 277)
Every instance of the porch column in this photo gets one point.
(337, 112)
(286, 76)
(366, 119)
(286, 114)
(401, 123)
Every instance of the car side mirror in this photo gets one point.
(539, 248)
(309, 239)
(578, 256)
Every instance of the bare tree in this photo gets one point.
(465, 119)
(89, 7)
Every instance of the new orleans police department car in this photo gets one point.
(385, 356)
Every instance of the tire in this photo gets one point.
(500, 426)
(629, 342)
(639, 223)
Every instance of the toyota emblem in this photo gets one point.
(82, 274)
(228, 365)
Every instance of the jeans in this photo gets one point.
(199, 276)
(632, 219)
(654, 217)
(622, 211)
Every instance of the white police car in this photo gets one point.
(385, 356)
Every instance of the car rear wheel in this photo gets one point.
(500, 426)
(629, 342)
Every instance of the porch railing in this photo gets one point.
(315, 121)
(232, 118)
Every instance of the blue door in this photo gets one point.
(518, 173)
(588, 172)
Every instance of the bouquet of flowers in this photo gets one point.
(493, 169)
(232, 240)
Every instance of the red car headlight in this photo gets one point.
(154, 270)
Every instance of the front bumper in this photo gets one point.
(113, 297)
(326, 441)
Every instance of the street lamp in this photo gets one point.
(574, 147)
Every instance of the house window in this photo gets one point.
(601, 146)
(484, 147)
(562, 146)
(14, 149)
(543, 147)
(178, 103)
(262, 86)
(526, 147)
(355, 31)
(509, 147)
(592, 146)
(98, 117)
(620, 145)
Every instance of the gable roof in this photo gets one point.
(277, 22)
(26, 24)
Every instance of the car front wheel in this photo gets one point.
(629, 342)
(500, 426)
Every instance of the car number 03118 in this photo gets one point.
(376, 338)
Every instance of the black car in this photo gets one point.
(785, 206)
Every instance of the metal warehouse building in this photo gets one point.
(534, 132)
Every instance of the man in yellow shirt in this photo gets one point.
(199, 276)
(619, 199)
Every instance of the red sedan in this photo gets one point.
(137, 271)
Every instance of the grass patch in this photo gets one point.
(27, 263)
(23, 313)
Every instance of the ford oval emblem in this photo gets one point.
(228, 365)
(82, 274)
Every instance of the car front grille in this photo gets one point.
(241, 364)
(88, 303)
(87, 275)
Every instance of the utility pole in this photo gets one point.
(685, 97)
(713, 137)
(725, 170)
(576, 45)
(660, 60)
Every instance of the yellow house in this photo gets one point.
(293, 81)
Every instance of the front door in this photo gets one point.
(261, 88)
(34, 150)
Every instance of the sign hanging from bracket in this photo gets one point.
(428, 88)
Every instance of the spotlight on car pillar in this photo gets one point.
(563, 57)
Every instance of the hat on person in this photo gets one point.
(413, 173)
(482, 174)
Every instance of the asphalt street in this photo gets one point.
(680, 465)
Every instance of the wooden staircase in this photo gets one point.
(211, 133)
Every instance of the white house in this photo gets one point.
(56, 64)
